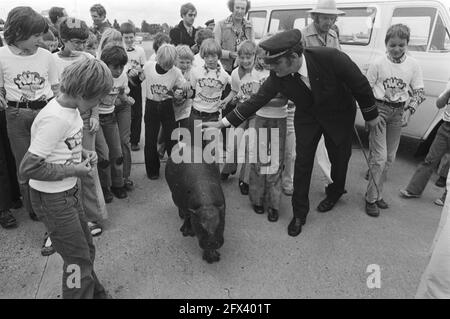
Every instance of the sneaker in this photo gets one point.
(107, 195)
(47, 247)
(33, 216)
(382, 204)
(17, 204)
(119, 192)
(7, 220)
(372, 209)
(404, 193)
(129, 185)
(439, 202)
(243, 187)
(153, 177)
(135, 147)
(95, 229)
(441, 182)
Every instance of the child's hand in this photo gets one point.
(94, 125)
(223, 104)
(3, 103)
(133, 73)
(131, 101)
(83, 169)
(178, 94)
(91, 156)
(406, 117)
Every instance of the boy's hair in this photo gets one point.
(127, 27)
(210, 47)
(398, 30)
(159, 39)
(72, 28)
(114, 55)
(166, 56)
(184, 53)
(54, 13)
(22, 23)
(110, 36)
(88, 79)
(202, 35)
(247, 47)
(259, 52)
(231, 5)
(101, 11)
(185, 8)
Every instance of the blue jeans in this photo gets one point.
(66, 223)
(383, 148)
(440, 146)
(109, 151)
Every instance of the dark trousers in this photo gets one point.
(66, 222)
(9, 187)
(156, 114)
(307, 138)
(136, 113)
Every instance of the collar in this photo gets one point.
(311, 30)
(303, 69)
(245, 22)
(397, 61)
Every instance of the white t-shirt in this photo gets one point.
(62, 63)
(136, 58)
(120, 86)
(56, 135)
(390, 81)
(208, 85)
(158, 87)
(27, 78)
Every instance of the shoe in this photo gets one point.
(95, 229)
(153, 177)
(33, 216)
(17, 204)
(272, 215)
(382, 204)
(372, 209)
(224, 176)
(243, 187)
(107, 195)
(135, 147)
(439, 202)
(7, 220)
(441, 182)
(258, 209)
(405, 194)
(129, 185)
(295, 226)
(326, 205)
(47, 247)
(288, 192)
(119, 192)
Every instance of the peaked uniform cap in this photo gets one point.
(280, 44)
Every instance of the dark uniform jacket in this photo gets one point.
(336, 81)
(179, 35)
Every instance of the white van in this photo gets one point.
(362, 32)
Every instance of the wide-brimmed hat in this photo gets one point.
(327, 7)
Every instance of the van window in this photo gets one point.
(440, 42)
(355, 27)
(282, 20)
(420, 20)
(258, 20)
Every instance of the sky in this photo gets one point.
(153, 11)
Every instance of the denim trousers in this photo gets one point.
(439, 147)
(19, 121)
(123, 115)
(66, 223)
(383, 147)
(289, 153)
(109, 151)
(157, 114)
(265, 183)
(9, 186)
(91, 190)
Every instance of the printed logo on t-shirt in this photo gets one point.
(74, 145)
(210, 90)
(394, 88)
(110, 99)
(29, 83)
(159, 91)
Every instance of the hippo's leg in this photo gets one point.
(186, 229)
(211, 256)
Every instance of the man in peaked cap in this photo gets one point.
(210, 24)
(323, 83)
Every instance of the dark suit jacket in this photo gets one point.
(179, 35)
(336, 81)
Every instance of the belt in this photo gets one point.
(200, 113)
(34, 105)
(392, 104)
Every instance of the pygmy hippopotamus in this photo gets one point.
(197, 193)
